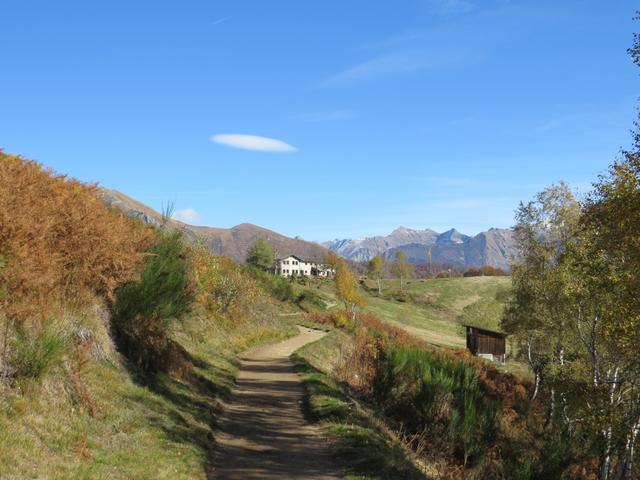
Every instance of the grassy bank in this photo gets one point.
(459, 415)
(434, 310)
(117, 340)
(139, 426)
(359, 438)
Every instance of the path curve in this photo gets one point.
(262, 433)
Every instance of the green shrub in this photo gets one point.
(545, 457)
(310, 300)
(280, 288)
(144, 308)
(162, 291)
(399, 296)
(35, 355)
(425, 390)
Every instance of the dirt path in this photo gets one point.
(262, 432)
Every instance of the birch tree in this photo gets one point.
(347, 288)
(535, 315)
(402, 268)
(376, 264)
(606, 262)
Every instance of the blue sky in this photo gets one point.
(421, 113)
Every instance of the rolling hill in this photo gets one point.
(233, 242)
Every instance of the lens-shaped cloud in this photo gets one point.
(252, 142)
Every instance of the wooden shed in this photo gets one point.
(486, 343)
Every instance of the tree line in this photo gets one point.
(575, 311)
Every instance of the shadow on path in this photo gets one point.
(263, 433)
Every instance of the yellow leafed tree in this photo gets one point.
(347, 287)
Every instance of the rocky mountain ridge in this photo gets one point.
(495, 247)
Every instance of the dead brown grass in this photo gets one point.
(57, 238)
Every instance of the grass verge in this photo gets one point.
(140, 426)
(359, 439)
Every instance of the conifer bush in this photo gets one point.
(144, 308)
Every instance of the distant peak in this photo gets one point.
(453, 236)
(245, 225)
(403, 231)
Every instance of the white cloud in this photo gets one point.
(188, 215)
(253, 142)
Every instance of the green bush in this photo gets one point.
(310, 300)
(143, 309)
(422, 389)
(280, 288)
(35, 355)
(162, 291)
(399, 296)
(545, 457)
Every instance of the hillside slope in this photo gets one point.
(232, 242)
(119, 342)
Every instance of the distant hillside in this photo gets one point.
(233, 242)
(494, 248)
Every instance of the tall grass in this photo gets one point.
(426, 391)
(59, 245)
(35, 355)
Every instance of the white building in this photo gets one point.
(292, 265)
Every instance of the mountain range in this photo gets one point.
(495, 247)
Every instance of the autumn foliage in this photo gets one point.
(64, 255)
(347, 286)
(58, 238)
(220, 285)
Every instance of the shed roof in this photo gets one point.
(487, 331)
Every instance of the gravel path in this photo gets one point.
(263, 433)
